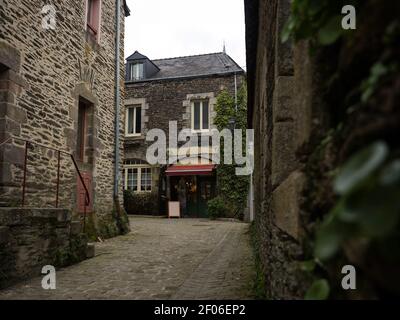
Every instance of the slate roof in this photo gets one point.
(126, 9)
(193, 66)
(136, 56)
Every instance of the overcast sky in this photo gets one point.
(173, 28)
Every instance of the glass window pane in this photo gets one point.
(196, 116)
(142, 182)
(132, 179)
(135, 179)
(130, 120)
(134, 71)
(138, 119)
(140, 67)
(137, 71)
(146, 179)
(205, 115)
(148, 182)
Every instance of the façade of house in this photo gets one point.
(182, 89)
(58, 105)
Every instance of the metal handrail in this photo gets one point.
(92, 29)
(27, 143)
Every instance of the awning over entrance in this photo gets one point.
(190, 170)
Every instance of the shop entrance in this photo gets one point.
(193, 193)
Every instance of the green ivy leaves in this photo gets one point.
(369, 205)
(216, 208)
(232, 189)
(331, 31)
(359, 167)
(319, 290)
(317, 20)
(378, 71)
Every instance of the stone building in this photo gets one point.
(306, 128)
(184, 90)
(279, 110)
(58, 105)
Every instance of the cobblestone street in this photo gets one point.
(159, 259)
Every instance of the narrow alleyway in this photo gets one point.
(159, 259)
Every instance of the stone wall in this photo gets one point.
(168, 101)
(281, 119)
(44, 74)
(33, 238)
(309, 119)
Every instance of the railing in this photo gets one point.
(59, 152)
(92, 29)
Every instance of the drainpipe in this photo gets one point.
(117, 96)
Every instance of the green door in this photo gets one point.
(205, 193)
(201, 189)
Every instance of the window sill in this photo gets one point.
(205, 132)
(134, 140)
(134, 137)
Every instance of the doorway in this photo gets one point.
(84, 154)
(199, 190)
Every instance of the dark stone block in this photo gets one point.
(10, 56)
(13, 112)
(4, 234)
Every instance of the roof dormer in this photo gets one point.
(139, 67)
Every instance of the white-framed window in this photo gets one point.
(133, 120)
(138, 178)
(200, 115)
(137, 71)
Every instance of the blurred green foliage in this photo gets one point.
(316, 20)
(368, 186)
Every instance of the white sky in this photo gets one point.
(173, 28)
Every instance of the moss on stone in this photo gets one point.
(107, 226)
(259, 278)
(90, 227)
(74, 253)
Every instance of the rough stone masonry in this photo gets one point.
(45, 76)
(282, 92)
(57, 91)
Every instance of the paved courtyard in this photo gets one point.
(159, 259)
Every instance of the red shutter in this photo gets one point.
(87, 178)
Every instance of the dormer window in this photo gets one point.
(137, 71)
(139, 67)
(93, 17)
